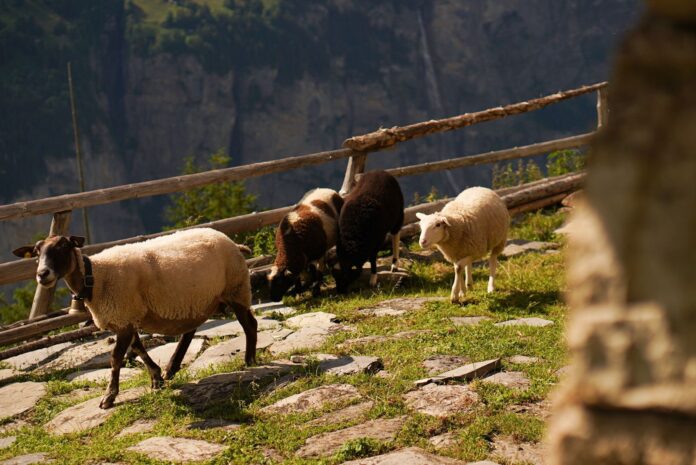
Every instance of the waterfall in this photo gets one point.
(433, 92)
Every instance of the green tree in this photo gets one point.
(212, 202)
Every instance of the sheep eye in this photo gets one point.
(437, 225)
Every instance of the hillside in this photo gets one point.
(161, 80)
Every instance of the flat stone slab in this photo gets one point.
(468, 320)
(511, 379)
(523, 360)
(314, 399)
(32, 359)
(229, 350)
(533, 321)
(510, 450)
(441, 401)
(540, 409)
(400, 306)
(312, 320)
(161, 355)
(169, 449)
(86, 415)
(350, 364)
(519, 247)
(89, 355)
(304, 338)
(14, 425)
(443, 441)
(350, 413)
(374, 339)
(212, 423)
(102, 375)
(7, 441)
(443, 363)
(408, 456)
(269, 309)
(138, 427)
(17, 398)
(465, 372)
(28, 459)
(213, 389)
(330, 443)
(7, 373)
(227, 328)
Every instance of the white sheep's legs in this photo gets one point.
(458, 278)
(395, 251)
(492, 265)
(469, 278)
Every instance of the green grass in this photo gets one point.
(528, 285)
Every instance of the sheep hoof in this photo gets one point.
(454, 300)
(157, 383)
(107, 401)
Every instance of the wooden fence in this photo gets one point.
(356, 150)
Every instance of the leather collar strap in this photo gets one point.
(88, 281)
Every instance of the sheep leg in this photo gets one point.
(123, 341)
(467, 264)
(174, 364)
(373, 271)
(318, 277)
(248, 322)
(469, 277)
(492, 266)
(457, 285)
(152, 368)
(395, 251)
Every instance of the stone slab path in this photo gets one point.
(523, 360)
(18, 398)
(227, 328)
(161, 355)
(32, 359)
(93, 354)
(314, 399)
(350, 364)
(377, 339)
(468, 320)
(510, 379)
(269, 309)
(137, 427)
(443, 441)
(229, 350)
(408, 456)
(329, 443)
(86, 415)
(465, 372)
(7, 441)
(170, 449)
(443, 363)
(441, 401)
(102, 375)
(350, 413)
(28, 459)
(400, 306)
(510, 450)
(519, 247)
(533, 321)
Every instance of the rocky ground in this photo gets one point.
(396, 375)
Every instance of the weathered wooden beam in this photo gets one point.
(165, 186)
(387, 137)
(538, 204)
(492, 157)
(602, 107)
(567, 184)
(48, 341)
(44, 295)
(20, 270)
(356, 165)
(33, 329)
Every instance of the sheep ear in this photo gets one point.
(27, 251)
(446, 221)
(421, 216)
(77, 241)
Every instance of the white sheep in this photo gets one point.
(474, 223)
(168, 285)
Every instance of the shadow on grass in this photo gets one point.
(522, 303)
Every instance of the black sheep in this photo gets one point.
(372, 209)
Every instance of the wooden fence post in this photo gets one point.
(602, 107)
(44, 296)
(356, 165)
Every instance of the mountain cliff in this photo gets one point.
(158, 81)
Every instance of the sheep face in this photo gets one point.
(279, 282)
(434, 229)
(56, 257)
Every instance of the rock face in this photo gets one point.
(629, 397)
(330, 443)
(314, 399)
(171, 449)
(18, 398)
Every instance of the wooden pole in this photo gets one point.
(356, 166)
(44, 295)
(78, 151)
(41, 327)
(602, 107)
(387, 137)
(48, 341)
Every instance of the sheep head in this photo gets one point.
(56, 257)
(434, 229)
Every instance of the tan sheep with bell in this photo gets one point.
(475, 223)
